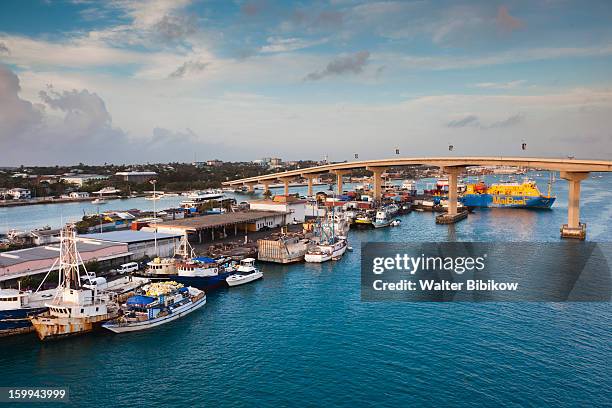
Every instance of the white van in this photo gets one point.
(128, 267)
(96, 283)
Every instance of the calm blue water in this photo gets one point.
(303, 337)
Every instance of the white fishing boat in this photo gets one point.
(161, 303)
(324, 252)
(154, 197)
(99, 201)
(160, 267)
(382, 220)
(395, 223)
(245, 273)
(76, 308)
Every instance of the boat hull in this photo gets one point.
(17, 321)
(148, 324)
(252, 277)
(206, 283)
(507, 201)
(51, 327)
(317, 258)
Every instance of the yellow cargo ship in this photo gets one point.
(514, 195)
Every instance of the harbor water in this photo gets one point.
(303, 337)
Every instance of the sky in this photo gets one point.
(132, 81)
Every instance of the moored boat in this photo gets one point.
(15, 308)
(202, 273)
(509, 195)
(161, 303)
(76, 308)
(160, 268)
(245, 273)
(382, 220)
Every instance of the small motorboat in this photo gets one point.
(395, 223)
(99, 201)
(245, 273)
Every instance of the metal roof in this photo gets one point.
(129, 236)
(219, 220)
(46, 252)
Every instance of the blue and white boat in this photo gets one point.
(161, 303)
(16, 306)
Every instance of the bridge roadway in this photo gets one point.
(572, 170)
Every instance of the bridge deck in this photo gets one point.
(557, 164)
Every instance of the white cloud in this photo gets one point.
(278, 44)
(501, 85)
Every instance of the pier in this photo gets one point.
(572, 170)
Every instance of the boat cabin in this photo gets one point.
(11, 299)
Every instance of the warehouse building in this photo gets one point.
(39, 260)
(140, 244)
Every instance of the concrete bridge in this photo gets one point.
(572, 170)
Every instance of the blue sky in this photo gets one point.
(138, 81)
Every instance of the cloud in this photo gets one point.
(278, 44)
(350, 64)
(252, 8)
(506, 123)
(174, 28)
(4, 49)
(474, 121)
(73, 126)
(470, 120)
(16, 115)
(189, 67)
(506, 21)
(500, 85)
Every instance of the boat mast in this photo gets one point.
(154, 215)
(69, 261)
(185, 250)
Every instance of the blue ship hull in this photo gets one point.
(16, 321)
(206, 283)
(506, 201)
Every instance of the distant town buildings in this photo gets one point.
(136, 176)
(79, 194)
(271, 162)
(82, 179)
(209, 163)
(19, 193)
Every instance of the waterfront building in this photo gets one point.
(79, 194)
(212, 227)
(136, 176)
(293, 207)
(39, 260)
(20, 193)
(140, 244)
(83, 179)
(45, 236)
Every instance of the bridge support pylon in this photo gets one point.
(574, 228)
(452, 216)
(266, 186)
(309, 180)
(286, 181)
(339, 174)
(377, 173)
(251, 186)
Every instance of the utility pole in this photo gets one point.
(154, 214)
